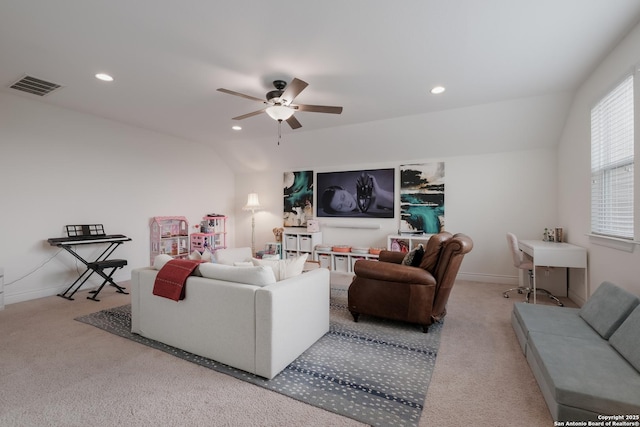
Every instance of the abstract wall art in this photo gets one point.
(298, 198)
(422, 198)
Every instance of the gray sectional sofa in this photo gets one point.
(586, 361)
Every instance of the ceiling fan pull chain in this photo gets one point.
(279, 131)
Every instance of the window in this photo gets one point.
(612, 163)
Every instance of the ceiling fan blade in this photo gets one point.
(292, 90)
(245, 116)
(293, 122)
(318, 108)
(230, 92)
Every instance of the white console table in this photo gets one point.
(551, 254)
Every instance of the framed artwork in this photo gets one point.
(298, 198)
(422, 198)
(356, 194)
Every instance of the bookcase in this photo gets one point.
(406, 242)
(169, 235)
(299, 241)
(342, 262)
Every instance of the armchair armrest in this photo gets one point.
(386, 271)
(391, 256)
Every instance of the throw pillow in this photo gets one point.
(195, 255)
(206, 256)
(257, 276)
(414, 257)
(160, 260)
(230, 255)
(625, 339)
(284, 268)
(607, 308)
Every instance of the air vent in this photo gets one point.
(34, 86)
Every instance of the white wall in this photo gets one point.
(60, 167)
(486, 196)
(574, 153)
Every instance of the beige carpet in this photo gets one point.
(55, 371)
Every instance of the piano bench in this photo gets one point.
(112, 263)
(99, 267)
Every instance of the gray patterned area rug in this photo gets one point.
(374, 371)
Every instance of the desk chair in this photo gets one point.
(524, 264)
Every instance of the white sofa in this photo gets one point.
(258, 329)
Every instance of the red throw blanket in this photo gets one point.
(172, 277)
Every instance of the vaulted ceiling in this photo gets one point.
(377, 59)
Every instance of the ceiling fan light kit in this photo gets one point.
(279, 112)
(279, 103)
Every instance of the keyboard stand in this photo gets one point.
(98, 266)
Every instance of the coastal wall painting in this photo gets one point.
(298, 198)
(422, 198)
(356, 194)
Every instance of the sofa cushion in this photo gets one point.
(626, 339)
(230, 255)
(284, 268)
(585, 374)
(551, 319)
(255, 275)
(243, 264)
(607, 308)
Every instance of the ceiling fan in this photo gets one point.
(279, 103)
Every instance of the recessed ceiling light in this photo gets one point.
(236, 127)
(438, 90)
(104, 77)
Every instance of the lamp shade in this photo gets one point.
(253, 204)
(279, 112)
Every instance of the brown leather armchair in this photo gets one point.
(386, 288)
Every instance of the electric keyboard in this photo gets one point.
(85, 240)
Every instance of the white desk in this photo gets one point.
(551, 254)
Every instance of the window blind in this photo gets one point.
(612, 163)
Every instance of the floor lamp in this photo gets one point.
(253, 205)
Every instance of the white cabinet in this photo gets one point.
(299, 241)
(406, 242)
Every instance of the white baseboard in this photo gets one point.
(578, 299)
(29, 295)
(489, 278)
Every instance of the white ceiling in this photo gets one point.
(378, 59)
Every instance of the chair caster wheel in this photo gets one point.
(505, 295)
